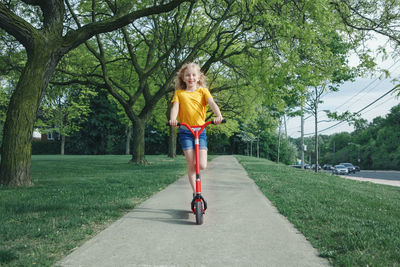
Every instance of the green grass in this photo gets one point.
(74, 197)
(351, 223)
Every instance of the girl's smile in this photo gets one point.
(191, 78)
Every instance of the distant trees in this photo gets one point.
(102, 132)
(377, 144)
(63, 111)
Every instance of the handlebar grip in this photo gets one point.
(179, 124)
(223, 121)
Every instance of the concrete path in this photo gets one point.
(241, 228)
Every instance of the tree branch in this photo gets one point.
(134, 60)
(81, 82)
(74, 38)
(32, 2)
(17, 27)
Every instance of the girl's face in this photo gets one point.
(191, 77)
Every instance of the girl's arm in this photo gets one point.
(214, 107)
(173, 114)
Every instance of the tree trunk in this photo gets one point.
(316, 129)
(128, 139)
(138, 153)
(21, 116)
(62, 144)
(258, 147)
(284, 119)
(172, 132)
(172, 142)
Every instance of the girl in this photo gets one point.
(190, 106)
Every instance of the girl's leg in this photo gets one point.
(203, 159)
(191, 163)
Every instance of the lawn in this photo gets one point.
(74, 198)
(351, 223)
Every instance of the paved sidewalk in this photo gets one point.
(241, 228)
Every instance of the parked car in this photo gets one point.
(313, 167)
(327, 167)
(307, 166)
(340, 169)
(349, 166)
(357, 168)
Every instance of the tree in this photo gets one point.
(328, 71)
(104, 131)
(368, 16)
(140, 72)
(46, 41)
(365, 17)
(63, 111)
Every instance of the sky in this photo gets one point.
(354, 96)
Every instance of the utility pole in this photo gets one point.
(358, 151)
(316, 127)
(302, 135)
(334, 153)
(279, 138)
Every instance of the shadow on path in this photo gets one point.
(173, 216)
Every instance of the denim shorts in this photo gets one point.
(186, 139)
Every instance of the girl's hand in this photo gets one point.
(173, 123)
(218, 120)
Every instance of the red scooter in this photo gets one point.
(199, 204)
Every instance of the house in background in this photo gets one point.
(37, 136)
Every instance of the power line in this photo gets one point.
(363, 89)
(347, 101)
(389, 99)
(373, 102)
(388, 92)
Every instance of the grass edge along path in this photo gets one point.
(73, 199)
(351, 223)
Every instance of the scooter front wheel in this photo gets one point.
(199, 212)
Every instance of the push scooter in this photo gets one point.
(199, 204)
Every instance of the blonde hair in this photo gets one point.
(180, 84)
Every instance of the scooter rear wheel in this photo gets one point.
(199, 212)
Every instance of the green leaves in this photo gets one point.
(64, 110)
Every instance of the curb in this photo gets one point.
(376, 181)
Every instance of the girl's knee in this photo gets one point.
(203, 165)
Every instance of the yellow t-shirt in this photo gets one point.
(192, 105)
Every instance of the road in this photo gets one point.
(381, 175)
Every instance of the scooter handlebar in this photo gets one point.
(179, 124)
